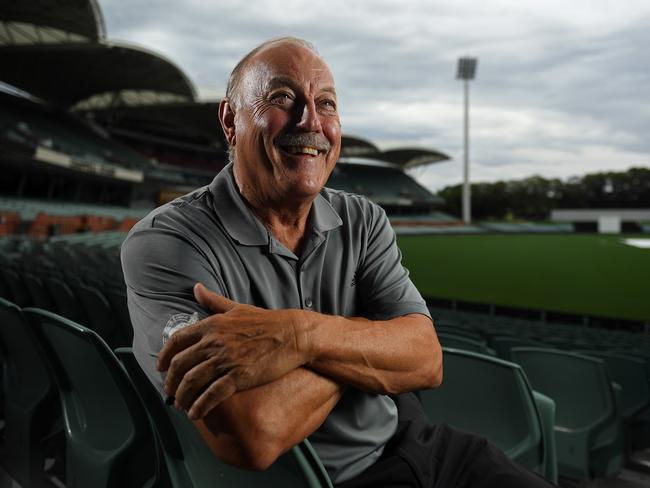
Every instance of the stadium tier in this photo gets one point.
(389, 186)
(86, 150)
(78, 276)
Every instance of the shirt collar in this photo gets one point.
(243, 226)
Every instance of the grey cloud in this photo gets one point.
(582, 85)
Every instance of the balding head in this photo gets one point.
(234, 87)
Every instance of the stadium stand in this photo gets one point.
(511, 415)
(389, 186)
(86, 154)
(32, 417)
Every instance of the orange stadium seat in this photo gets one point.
(8, 223)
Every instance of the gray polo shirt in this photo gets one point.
(350, 266)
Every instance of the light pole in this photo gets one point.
(466, 71)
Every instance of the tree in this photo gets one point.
(534, 197)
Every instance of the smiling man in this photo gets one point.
(279, 308)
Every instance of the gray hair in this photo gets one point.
(233, 89)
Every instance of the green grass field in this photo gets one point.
(583, 274)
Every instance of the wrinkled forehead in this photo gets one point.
(287, 64)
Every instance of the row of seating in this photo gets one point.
(117, 430)
(528, 441)
(82, 293)
(120, 433)
(29, 208)
(599, 380)
(516, 418)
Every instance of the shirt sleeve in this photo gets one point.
(161, 267)
(386, 289)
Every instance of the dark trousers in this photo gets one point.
(437, 456)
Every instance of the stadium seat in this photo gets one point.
(40, 295)
(191, 464)
(509, 415)
(588, 430)
(503, 344)
(33, 429)
(629, 372)
(639, 430)
(99, 314)
(546, 408)
(5, 292)
(464, 343)
(19, 292)
(110, 442)
(460, 331)
(65, 301)
(118, 301)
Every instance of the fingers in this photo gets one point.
(217, 392)
(179, 341)
(212, 300)
(183, 368)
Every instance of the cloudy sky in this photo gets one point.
(562, 88)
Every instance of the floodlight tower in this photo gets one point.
(466, 71)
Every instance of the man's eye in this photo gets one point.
(328, 104)
(281, 98)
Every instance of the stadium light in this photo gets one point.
(466, 71)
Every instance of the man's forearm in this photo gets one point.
(242, 347)
(391, 357)
(253, 427)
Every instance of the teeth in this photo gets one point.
(302, 150)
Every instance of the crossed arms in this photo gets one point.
(256, 382)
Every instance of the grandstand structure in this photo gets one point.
(86, 150)
(75, 129)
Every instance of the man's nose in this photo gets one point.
(309, 119)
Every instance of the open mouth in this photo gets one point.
(302, 150)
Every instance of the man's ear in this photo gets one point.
(227, 119)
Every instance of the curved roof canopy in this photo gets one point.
(352, 146)
(50, 22)
(410, 157)
(114, 74)
(355, 147)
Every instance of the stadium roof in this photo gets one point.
(410, 157)
(356, 147)
(50, 22)
(95, 75)
(189, 117)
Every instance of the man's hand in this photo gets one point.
(237, 348)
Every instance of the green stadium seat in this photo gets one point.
(110, 442)
(118, 301)
(19, 292)
(40, 296)
(5, 292)
(33, 429)
(464, 343)
(65, 302)
(588, 430)
(510, 415)
(546, 408)
(101, 317)
(630, 373)
(503, 344)
(460, 331)
(639, 430)
(191, 464)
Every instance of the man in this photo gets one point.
(279, 309)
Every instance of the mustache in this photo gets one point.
(311, 139)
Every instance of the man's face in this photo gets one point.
(287, 128)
